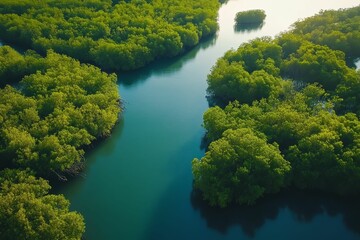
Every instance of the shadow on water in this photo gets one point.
(105, 145)
(303, 205)
(180, 212)
(205, 143)
(15, 46)
(108, 143)
(250, 27)
(172, 214)
(161, 67)
(182, 207)
(179, 206)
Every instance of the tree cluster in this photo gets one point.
(53, 109)
(247, 74)
(256, 70)
(298, 123)
(337, 29)
(27, 211)
(256, 16)
(240, 166)
(115, 35)
(57, 108)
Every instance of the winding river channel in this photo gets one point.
(138, 182)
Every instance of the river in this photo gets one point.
(138, 182)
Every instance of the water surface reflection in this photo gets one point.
(304, 207)
(163, 67)
(246, 28)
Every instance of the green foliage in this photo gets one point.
(14, 66)
(306, 62)
(338, 30)
(11, 63)
(280, 120)
(315, 63)
(115, 35)
(255, 70)
(305, 129)
(322, 147)
(327, 155)
(27, 211)
(57, 111)
(348, 93)
(250, 17)
(247, 74)
(241, 166)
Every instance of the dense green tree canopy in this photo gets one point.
(305, 129)
(317, 63)
(241, 166)
(54, 112)
(338, 29)
(250, 17)
(247, 74)
(116, 35)
(322, 147)
(256, 70)
(27, 211)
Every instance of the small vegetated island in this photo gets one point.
(292, 116)
(52, 106)
(256, 16)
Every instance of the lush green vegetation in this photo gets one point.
(292, 116)
(250, 73)
(254, 167)
(115, 35)
(27, 211)
(55, 106)
(338, 30)
(250, 17)
(59, 107)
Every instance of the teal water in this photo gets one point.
(138, 183)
